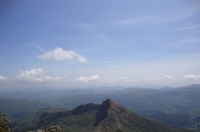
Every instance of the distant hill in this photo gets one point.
(175, 107)
(17, 108)
(107, 117)
(44, 94)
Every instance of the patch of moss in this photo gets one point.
(2, 130)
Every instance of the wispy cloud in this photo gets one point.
(39, 47)
(136, 20)
(180, 16)
(35, 44)
(58, 54)
(35, 75)
(87, 79)
(176, 17)
(189, 27)
(188, 40)
(157, 19)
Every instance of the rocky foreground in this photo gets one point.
(51, 129)
(5, 124)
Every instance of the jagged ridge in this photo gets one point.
(107, 117)
(113, 117)
(77, 118)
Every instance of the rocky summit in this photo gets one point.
(113, 117)
(5, 124)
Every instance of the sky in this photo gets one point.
(98, 43)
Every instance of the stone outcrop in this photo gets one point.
(5, 124)
(51, 129)
(54, 129)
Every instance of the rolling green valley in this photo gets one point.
(174, 107)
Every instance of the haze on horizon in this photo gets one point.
(96, 43)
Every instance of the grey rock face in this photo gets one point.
(5, 123)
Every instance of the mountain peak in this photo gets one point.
(109, 108)
(108, 103)
(113, 117)
(111, 105)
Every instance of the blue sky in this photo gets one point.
(95, 43)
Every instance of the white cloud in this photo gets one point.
(87, 79)
(167, 77)
(58, 54)
(191, 76)
(2, 78)
(35, 75)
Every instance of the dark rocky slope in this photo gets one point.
(5, 124)
(112, 117)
